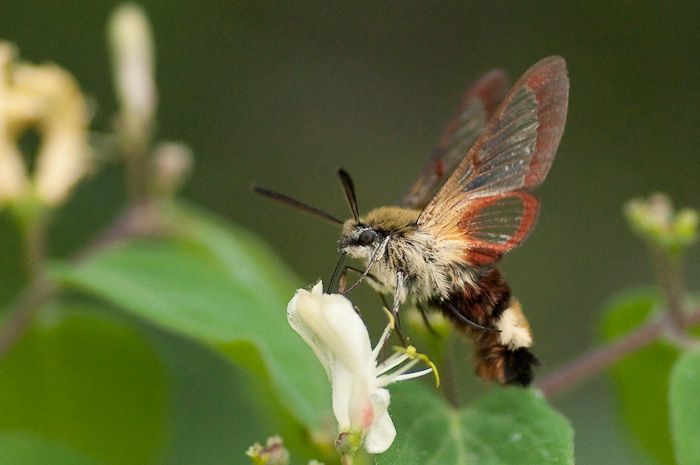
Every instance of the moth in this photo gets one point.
(472, 203)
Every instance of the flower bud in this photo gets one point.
(172, 163)
(657, 222)
(133, 68)
(274, 452)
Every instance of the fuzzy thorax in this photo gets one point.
(431, 265)
(393, 220)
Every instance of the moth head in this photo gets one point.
(362, 236)
(358, 239)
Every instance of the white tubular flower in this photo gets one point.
(46, 98)
(133, 65)
(338, 336)
(50, 99)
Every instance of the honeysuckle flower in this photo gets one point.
(47, 98)
(13, 175)
(335, 332)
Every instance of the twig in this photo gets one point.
(139, 220)
(22, 313)
(137, 165)
(593, 362)
(669, 275)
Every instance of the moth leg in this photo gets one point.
(397, 293)
(454, 312)
(375, 256)
(341, 287)
(342, 280)
(384, 301)
(426, 319)
(397, 304)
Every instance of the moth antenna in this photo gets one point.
(281, 198)
(349, 193)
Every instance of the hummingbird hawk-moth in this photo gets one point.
(472, 203)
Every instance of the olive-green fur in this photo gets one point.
(393, 220)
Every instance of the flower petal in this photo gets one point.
(342, 384)
(329, 320)
(381, 434)
(323, 353)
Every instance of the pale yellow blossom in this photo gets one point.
(48, 99)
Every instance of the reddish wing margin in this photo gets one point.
(489, 235)
(475, 109)
(485, 200)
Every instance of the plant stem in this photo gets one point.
(590, 364)
(138, 220)
(35, 242)
(138, 176)
(23, 312)
(668, 267)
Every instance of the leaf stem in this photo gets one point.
(590, 364)
(23, 312)
(139, 220)
(137, 164)
(668, 267)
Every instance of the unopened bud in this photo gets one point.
(274, 452)
(172, 163)
(131, 42)
(656, 221)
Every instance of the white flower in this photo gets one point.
(338, 336)
(48, 99)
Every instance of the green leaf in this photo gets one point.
(211, 413)
(220, 286)
(506, 426)
(86, 383)
(685, 407)
(641, 379)
(29, 449)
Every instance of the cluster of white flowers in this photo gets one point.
(332, 328)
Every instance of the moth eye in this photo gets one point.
(366, 237)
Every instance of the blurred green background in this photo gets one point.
(283, 93)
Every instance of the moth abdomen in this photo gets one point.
(498, 327)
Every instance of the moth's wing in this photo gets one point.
(470, 118)
(485, 201)
(488, 227)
